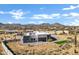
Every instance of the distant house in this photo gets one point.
(62, 32)
(51, 32)
(2, 31)
(59, 32)
(37, 37)
(10, 31)
(66, 32)
(18, 32)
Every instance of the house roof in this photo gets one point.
(36, 33)
(40, 33)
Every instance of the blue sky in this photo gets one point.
(67, 14)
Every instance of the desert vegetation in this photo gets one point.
(63, 46)
(1, 49)
(60, 47)
(42, 49)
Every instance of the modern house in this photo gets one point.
(37, 36)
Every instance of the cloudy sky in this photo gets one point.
(67, 14)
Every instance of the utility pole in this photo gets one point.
(75, 41)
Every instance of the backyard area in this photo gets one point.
(63, 46)
(42, 49)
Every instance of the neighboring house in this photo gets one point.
(8, 31)
(62, 32)
(59, 32)
(66, 32)
(37, 37)
(51, 32)
(1, 32)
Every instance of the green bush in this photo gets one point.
(49, 40)
(61, 42)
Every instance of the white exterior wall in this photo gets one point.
(7, 51)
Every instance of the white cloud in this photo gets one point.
(41, 16)
(38, 22)
(73, 17)
(65, 15)
(44, 16)
(41, 8)
(10, 23)
(2, 12)
(74, 14)
(55, 15)
(31, 22)
(75, 23)
(17, 14)
(71, 7)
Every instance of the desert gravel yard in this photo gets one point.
(42, 49)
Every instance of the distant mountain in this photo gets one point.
(44, 26)
(1, 24)
(47, 24)
(57, 24)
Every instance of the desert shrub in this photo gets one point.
(49, 40)
(29, 45)
(61, 42)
